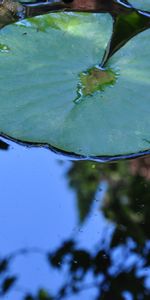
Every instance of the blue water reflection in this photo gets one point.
(77, 229)
(38, 211)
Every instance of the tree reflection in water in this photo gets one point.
(119, 268)
(3, 145)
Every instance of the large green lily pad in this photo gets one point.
(44, 83)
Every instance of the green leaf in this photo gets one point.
(40, 78)
(141, 4)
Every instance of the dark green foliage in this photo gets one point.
(4, 265)
(42, 294)
(80, 261)
(3, 145)
(84, 178)
(8, 283)
(29, 297)
(101, 262)
(56, 258)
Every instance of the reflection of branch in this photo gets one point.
(81, 262)
(35, 9)
(12, 11)
(25, 251)
(96, 6)
(3, 145)
(76, 290)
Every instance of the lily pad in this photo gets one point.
(141, 4)
(40, 78)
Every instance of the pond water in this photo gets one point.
(69, 228)
(97, 215)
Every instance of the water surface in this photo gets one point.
(47, 200)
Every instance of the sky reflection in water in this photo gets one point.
(39, 210)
